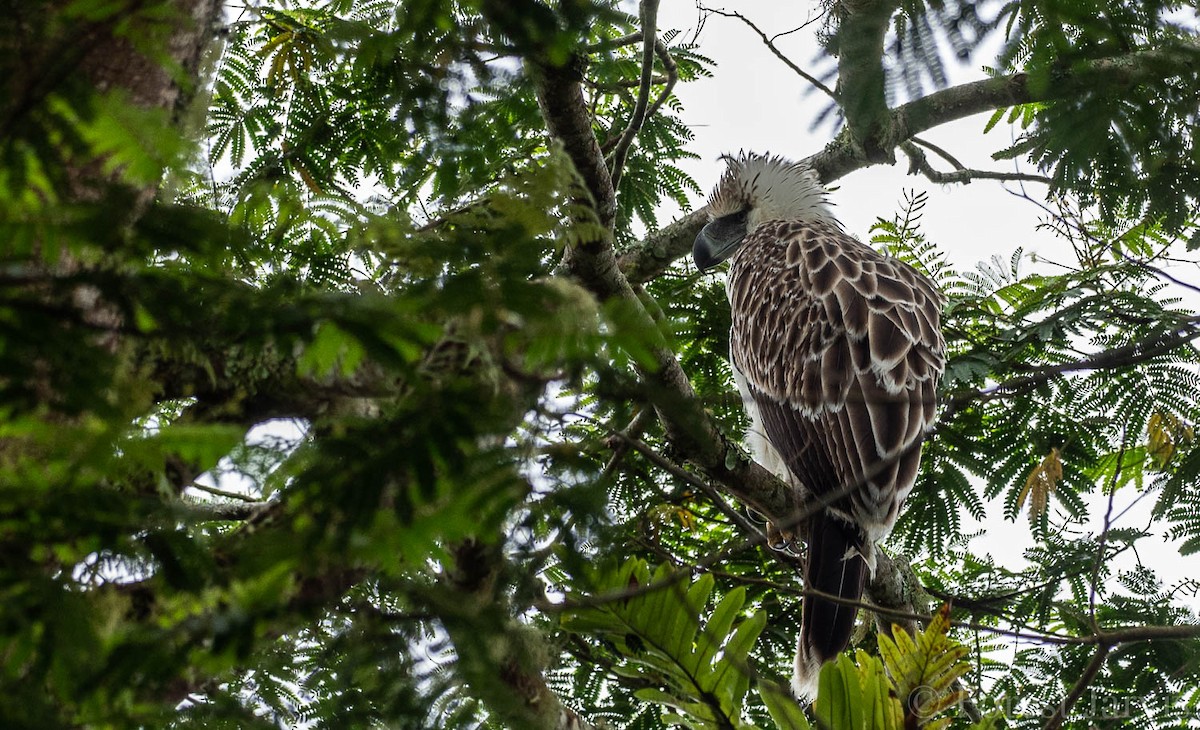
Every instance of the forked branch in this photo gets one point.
(919, 163)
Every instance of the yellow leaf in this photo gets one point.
(1040, 483)
(685, 517)
(1166, 431)
(307, 177)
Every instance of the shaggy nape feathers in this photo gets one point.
(773, 188)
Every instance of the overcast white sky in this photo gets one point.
(755, 102)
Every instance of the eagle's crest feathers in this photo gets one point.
(770, 188)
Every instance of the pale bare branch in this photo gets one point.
(649, 13)
(672, 69)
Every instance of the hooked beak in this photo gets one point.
(718, 240)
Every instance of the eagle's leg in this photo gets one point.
(783, 539)
(780, 539)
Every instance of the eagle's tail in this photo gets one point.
(837, 565)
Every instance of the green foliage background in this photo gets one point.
(479, 491)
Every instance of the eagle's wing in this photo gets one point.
(840, 351)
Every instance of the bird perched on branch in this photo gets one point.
(837, 351)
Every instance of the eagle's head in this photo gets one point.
(756, 189)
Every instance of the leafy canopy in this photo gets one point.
(307, 423)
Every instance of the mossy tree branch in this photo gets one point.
(860, 89)
(844, 155)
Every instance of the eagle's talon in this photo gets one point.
(781, 540)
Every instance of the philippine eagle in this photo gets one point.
(837, 351)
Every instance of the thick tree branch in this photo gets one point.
(895, 587)
(688, 428)
(1062, 709)
(661, 248)
(232, 385)
(1100, 76)
(1131, 634)
(223, 511)
(225, 494)
(594, 264)
(560, 97)
(860, 33)
(474, 610)
(842, 156)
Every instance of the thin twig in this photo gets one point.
(621, 447)
(1022, 630)
(226, 494)
(813, 17)
(1159, 272)
(1132, 354)
(813, 80)
(940, 152)
(687, 477)
(1112, 493)
(667, 81)
(1109, 637)
(797, 517)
